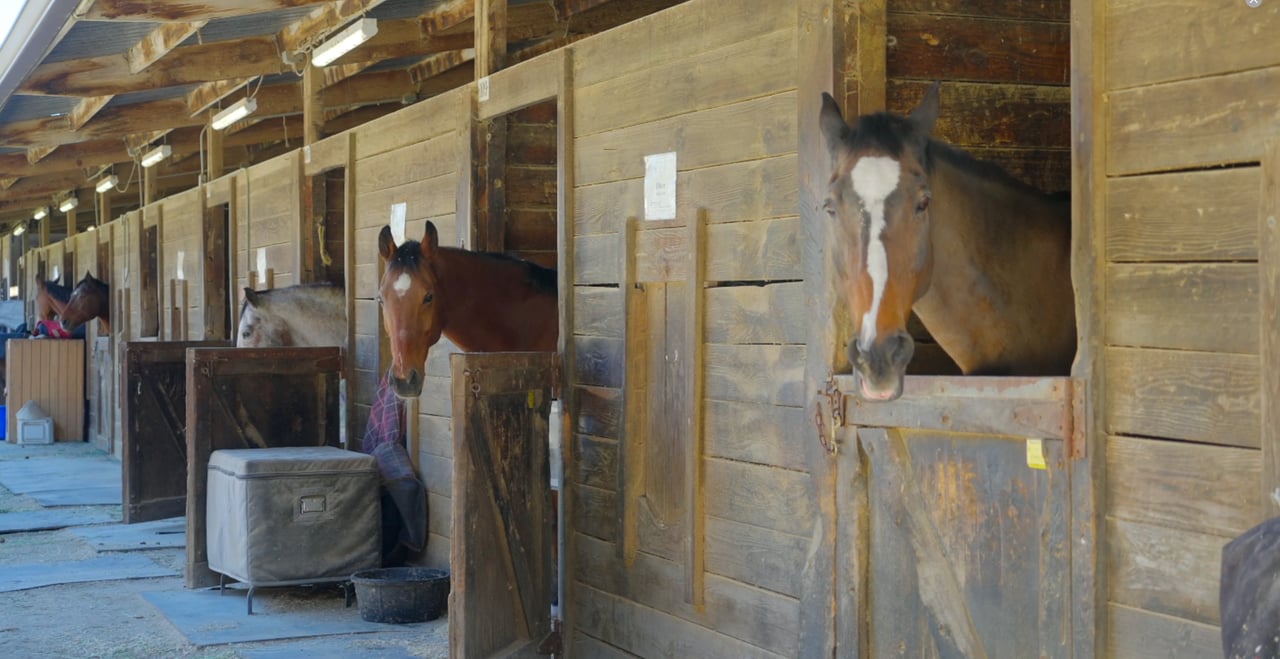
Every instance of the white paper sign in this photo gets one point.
(262, 263)
(181, 276)
(55, 273)
(660, 186)
(397, 221)
(482, 88)
(306, 154)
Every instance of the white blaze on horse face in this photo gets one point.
(874, 178)
(402, 284)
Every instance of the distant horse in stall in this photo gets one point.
(983, 259)
(51, 299)
(483, 302)
(91, 298)
(301, 315)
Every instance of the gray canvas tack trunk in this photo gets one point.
(293, 515)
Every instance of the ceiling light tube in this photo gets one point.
(233, 113)
(20, 229)
(40, 213)
(346, 40)
(68, 204)
(106, 184)
(156, 155)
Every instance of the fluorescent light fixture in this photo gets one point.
(233, 113)
(41, 213)
(92, 228)
(13, 292)
(346, 40)
(68, 204)
(156, 155)
(20, 229)
(106, 184)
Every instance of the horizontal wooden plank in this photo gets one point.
(596, 259)
(761, 128)
(1043, 168)
(1137, 634)
(755, 374)
(599, 411)
(1196, 487)
(674, 34)
(756, 616)
(735, 192)
(1196, 123)
(759, 495)
(1046, 10)
(595, 462)
(735, 72)
(1194, 396)
(1169, 571)
(742, 251)
(962, 48)
(756, 432)
(1209, 37)
(989, 114)
(597, 312)
(1207, 215)
(1015, 406)
(523, 84)
(414, 161)
(1211, 307)
(582, 645)
(419, 122)
(756, 556)
(648, 632)
(774, 313)
(422, 198)
(598, 361)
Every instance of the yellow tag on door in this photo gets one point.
(1035, 454)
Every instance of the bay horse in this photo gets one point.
(51, 299)
(301, 315)
(983, 259)
(481, 301)
(91, 298)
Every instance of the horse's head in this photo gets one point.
(412, 309)
(258, 327)
(878, 199)
(91, 298)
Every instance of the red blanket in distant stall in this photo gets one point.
(52, 329)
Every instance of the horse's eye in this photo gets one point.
(426, 299)
(830, 207)
(922, 205)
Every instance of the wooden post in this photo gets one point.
(1269, 317)
(214, 151)
(631, 434)
(491, 36)
(818, 51)
(312, 110)
(44, 229)
(71, 225)
(695, 324)
(150, 183)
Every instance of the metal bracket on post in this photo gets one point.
(835, 405)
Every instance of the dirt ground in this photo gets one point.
(111, 619)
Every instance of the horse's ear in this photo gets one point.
(925, 114)
(250, 296)
(386, 243)
(430, 239)
(834, 128)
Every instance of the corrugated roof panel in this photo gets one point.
(97, 38)
(23, 106)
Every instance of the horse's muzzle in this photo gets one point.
(882, 367)
(407, 388)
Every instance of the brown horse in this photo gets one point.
(51, 299)
(482, 302)
(983, 259)
(91, 298)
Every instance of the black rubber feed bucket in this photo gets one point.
(401, 594)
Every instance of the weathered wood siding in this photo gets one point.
(181, 283)
(269, 205)
(414, 157)
(1188, 106)
(714, 82)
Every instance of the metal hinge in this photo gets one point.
(835, 407)
(552, 644)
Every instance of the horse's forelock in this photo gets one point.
(408, 255)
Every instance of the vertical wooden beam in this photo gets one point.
(490, 155)
(150, 183)
(1269, 316)
(464, 199)
(564, 273)
(491, 36)
(348, 271)
(1088, 270)
(312, 109)
(45, 226)
(71, 229)
(818, 51)
(214, 151)
(695, 324)
(102, 213)
(631, 435)
(865, 31)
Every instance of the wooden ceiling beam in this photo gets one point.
(126, 119)
(185, 10)
(86, 155)
(86, 109)
(158, 43)
(319, 24)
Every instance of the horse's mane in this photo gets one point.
(542, 280)
(289, 292)
(57, 291)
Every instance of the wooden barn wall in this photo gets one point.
(413, 157)
(182, 314)
(530, 184)
(714, 82)
(267, 222)
(1188, 107)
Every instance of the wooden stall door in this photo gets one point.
(252, 398)
(960, 520)
(154, 451)
(501, 553)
